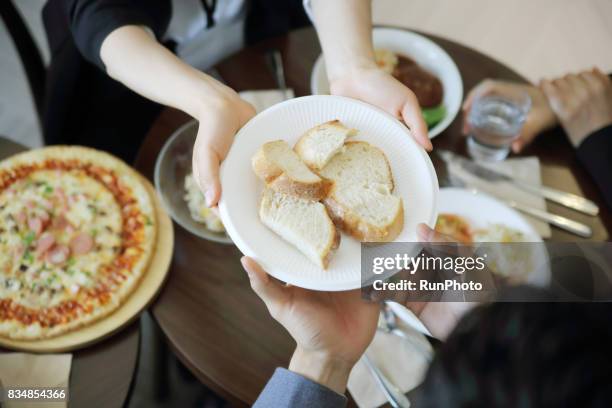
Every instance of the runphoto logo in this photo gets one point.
(425, 262)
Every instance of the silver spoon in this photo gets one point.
(389, 325)
(394, 395)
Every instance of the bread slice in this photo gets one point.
(317, 146)
(361, 201)
(303, 223)
(283, 170)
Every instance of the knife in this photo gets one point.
(569, 200)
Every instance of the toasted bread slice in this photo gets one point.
(303, 223)
(283, 170)
(361, 201)
(317, 146)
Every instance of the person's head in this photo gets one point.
(525, 355)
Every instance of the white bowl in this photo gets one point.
(172, 165)
(426, 53)
(415, 182)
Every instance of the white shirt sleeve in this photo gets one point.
(308, 9)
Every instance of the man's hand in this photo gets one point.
(381, 89)
(440, 318)
(582, 102)
(332, 329)
(540, 117)
(219, 121)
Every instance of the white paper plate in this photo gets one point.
(426, 53)
(415, 182)
(481, 210)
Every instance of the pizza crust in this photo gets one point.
(129, 179)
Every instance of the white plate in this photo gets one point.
(426, 53)
(415, 182)
(481, 210)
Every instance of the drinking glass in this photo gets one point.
(495, 121)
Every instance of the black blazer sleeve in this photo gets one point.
(91, 21)
(595, 153)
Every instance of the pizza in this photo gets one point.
(77, 230)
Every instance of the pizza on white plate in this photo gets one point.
(77, 230)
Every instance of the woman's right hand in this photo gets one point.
(219, 118)
(540, 117)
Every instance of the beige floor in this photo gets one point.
(538, 38)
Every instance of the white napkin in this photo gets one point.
(403, 363)
(37, 371)
(264, 99)
(526, 169)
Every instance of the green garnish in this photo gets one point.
(28, 257)
(148, 220)
(70, 272)
(48, 189)
(94, 232)
(434, 115)
(71, 261)
(29, 238)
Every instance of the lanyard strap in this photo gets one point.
(209, 8)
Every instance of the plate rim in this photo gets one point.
(246, 249)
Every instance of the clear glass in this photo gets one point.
(495, 121)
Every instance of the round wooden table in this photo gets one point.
(101, 375)
(212, 320)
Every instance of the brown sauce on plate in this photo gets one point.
(426, 86)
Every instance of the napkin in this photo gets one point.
(526, 169)
(402, 362)
(36, 371)
(264, 99)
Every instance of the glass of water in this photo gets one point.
(495, 121)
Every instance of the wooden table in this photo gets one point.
(101, 375)
(213, 321)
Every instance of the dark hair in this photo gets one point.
(549, 354)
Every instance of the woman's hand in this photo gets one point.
(582, 103)
(381, 89)
(133, 57)
(219, 118)
(332, 329)
(540, 117)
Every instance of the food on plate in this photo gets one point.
(360, 200)
(77, 230)
(455, 227)
(386, 60)
(356, 194)
(498, 233)
(302, 222)
(510, 262)
(434, 115)
(317, 146)
(426, 86)
(198, 209)
(282, 170)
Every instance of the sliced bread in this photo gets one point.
(283, 170)
(317, 146)
(361, 200)
(303, 223)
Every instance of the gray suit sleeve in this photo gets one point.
(288, 389)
